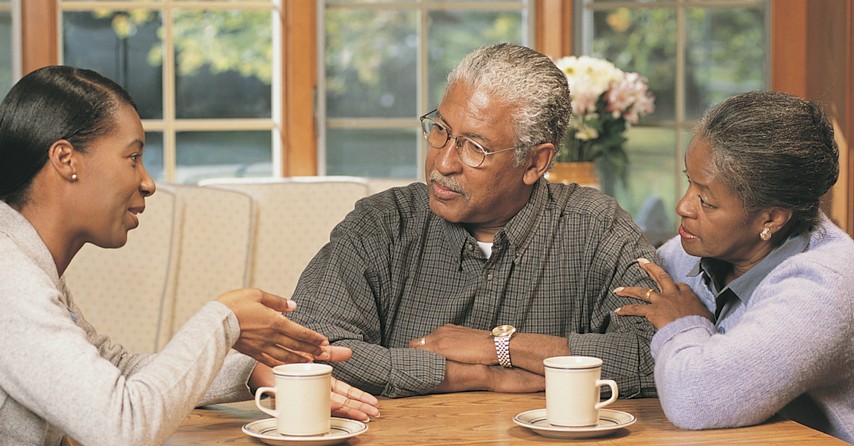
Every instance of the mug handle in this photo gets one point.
(613, 385)
(259, 393)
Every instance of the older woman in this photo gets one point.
(760, 321)
(71, 146)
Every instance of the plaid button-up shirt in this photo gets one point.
(394, 271)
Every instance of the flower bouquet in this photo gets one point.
(606, 101)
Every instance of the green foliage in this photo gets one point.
(219, 41)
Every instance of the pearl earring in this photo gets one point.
(765, 234)
(73, 177)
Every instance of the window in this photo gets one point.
(9, 49)
(203, 75)
(694, 54)
(384, 63)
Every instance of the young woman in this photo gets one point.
(760, 321)
(71, 145)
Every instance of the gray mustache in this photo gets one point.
(447, 182)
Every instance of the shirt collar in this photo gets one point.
(515, 235)
(744, 286)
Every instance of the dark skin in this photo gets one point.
(483, 200)
(670, 302)
(713, 225)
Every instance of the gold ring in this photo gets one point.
(648, 294)
(423, 341)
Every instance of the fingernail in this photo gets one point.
(618, 289)
(643, 260)
(618, 310)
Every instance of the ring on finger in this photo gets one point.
(422, 341)
(648, 293)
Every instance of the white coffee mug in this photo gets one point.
(302, 398)
(572, 390)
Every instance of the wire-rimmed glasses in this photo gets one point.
(437, 135)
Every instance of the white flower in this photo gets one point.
(605, 99)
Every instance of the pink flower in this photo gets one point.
(604, 98)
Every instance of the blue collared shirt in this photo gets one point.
(743, 286)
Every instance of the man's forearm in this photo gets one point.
(528, 350)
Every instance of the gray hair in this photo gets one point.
(521, 76)
(773, 150)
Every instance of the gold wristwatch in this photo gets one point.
(501, 335)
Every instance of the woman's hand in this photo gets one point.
(272, 339)
(348, 401)
(345, 400)
(670, 302)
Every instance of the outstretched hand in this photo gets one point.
(670, 302)
(271, 338)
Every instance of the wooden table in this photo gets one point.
(484, 418)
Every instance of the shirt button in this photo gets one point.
(489, 275)
(471, 247)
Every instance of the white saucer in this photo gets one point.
(340, 430)
(609, 421)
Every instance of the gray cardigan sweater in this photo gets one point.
(59, 377)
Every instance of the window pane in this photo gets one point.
(453, 34)
(725, 56)
(373, 153)
(644, 41)
(152, 157)
(121, 45)
(224, 64)
(371, 63)
(653, 171)
(202, 155)
(6, 49)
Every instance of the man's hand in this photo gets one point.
(462, 377)
(460, 344)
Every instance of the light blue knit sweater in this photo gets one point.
(790, 350)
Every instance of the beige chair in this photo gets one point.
(380, 184)
(215, 247)
(294, 218)
(128, 293)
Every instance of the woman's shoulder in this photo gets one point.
(17, 268)
(829, 247)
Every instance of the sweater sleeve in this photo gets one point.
(99, 393)
(795, 324)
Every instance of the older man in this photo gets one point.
(470, 281)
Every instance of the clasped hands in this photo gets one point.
(472, 364)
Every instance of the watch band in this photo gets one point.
(502, 349)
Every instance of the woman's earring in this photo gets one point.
(74, 178)
(765, 234)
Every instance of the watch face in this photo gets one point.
(503, 330)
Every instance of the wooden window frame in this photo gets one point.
(806, 60)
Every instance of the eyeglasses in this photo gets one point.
(470, 152)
